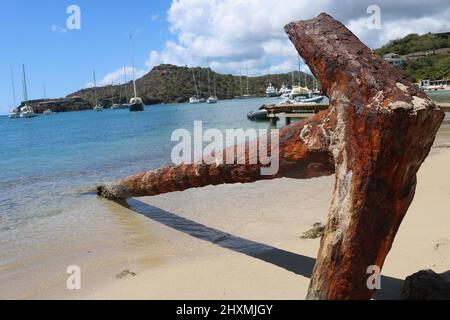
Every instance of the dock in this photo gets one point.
(290, 111)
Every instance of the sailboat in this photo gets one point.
(136, 103)
(247, 95)
(48, 111)
(299, 91)
(26, 111)
(121, 105)
(15, 113)
(194, 99)
(97, 107)
(212, 98)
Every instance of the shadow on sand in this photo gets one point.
(296, 263)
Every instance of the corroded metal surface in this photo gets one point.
(385, 129)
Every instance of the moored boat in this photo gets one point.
(136, 103)
(257, 115)
(299, 91)
(14, 114)
(48, 112)
(271, 91)
(194, 100)
(212, 100)
(26, 111)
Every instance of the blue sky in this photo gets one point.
(64, 60)
(230, 35)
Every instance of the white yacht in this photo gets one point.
(271, 91)
(194, 100)
(26, 111)
(136, 103)
(212, 100)
(14, 114)
(97, 107)
(299, 91)
(285, 92)
(212, 97)
(434, 85)
(48, 112)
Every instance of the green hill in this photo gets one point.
(426, 56)
(415, 43)
(169, 83)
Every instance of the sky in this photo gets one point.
(230, 35)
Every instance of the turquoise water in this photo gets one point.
(56, 155)
(49, 162)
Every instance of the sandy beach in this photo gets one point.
(244, 241)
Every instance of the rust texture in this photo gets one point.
(376, 134)
(303, 152)
(384, 130)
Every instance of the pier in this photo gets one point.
(290, 111)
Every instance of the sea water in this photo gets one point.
(49, 164)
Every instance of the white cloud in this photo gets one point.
(58, 29)
(235, 34)
(117, 77)
(154, 17)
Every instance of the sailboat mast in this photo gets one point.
(132, 63)
(45, 92)
(13, 89)
(299, 72)
(209, 83)
(126, 84)
(195, 83)
(215, 87)
(112, 91)
(242, 92)
(246, 71)
(95, 89)
(25, 92)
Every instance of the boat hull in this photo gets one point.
(259, 115)
(136, 107)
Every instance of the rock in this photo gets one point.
(125, 274)
(426, 285)
(374, 147)
(317, 231)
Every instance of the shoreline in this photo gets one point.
(236, 243)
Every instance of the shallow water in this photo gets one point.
(49, 163)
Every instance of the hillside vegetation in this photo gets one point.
(415, 43)
(430, 63)
(169, 83)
